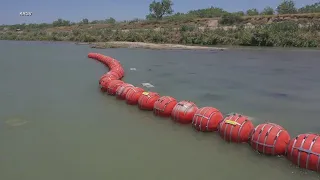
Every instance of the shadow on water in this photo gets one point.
(276, 95)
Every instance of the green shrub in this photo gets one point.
(230, 19)
(283, 34)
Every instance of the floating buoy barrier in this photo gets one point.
(207, 119)
(119, 71)
(133, 95)
(236, 128)
(109, 76)
(267, 138)
(122, 90)
(147, 99)
(304, 151)
(164, 105)
(104, 83)
(184, 111)
(270, 139)
(113, 86)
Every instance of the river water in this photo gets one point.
(56, 124)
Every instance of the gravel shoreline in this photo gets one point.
(122, 44)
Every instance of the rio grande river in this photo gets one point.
(56, 124)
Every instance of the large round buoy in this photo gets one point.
(184, 111)
(133, 95)
(270, 139)
(122, 90)
(104, 83)
(304, 151)
(92, 55)
(119, 70)
(104, 60)
(110, 75)
(147, 99)
(99, 57)
(236, 128)
(112, 63)
(113, 85)
(207, 119)
(164, 106)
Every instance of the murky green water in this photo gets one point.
(55, 123)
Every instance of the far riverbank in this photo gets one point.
(123, 44)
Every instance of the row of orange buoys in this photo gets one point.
(267, 138)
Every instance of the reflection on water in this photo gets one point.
(55, 124)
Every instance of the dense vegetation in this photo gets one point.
(284, 33)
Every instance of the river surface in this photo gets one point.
(56, 124)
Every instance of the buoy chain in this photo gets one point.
(188, 112)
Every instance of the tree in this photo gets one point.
(313, 8)
(287, 7)
(159, 9)
(230, 19)
(252, 12)
(150, 16)
(85, 21)
(267, 11)
(208, 12)
(239, 13)
(111, 20)
(61, 22)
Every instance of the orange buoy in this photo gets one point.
(270, 139)
(207, 119)
(104, 60)
(113, 85)
(122, 90)
(112, 63)
(184, 111)
(110, 75)
(147, 99)
(164, 106)
(100, 57)
(108, 59)
(119, 71)
(133, 95)
(304, 151)
(104, 83)
(115, 73)
(92, 55)
(236, 128)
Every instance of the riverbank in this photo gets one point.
(123, 44)
(230, 30)
(283, 34)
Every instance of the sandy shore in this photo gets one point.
(122, 44)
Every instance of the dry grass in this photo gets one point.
(135, 25)
(201, 22)
(307, 15)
